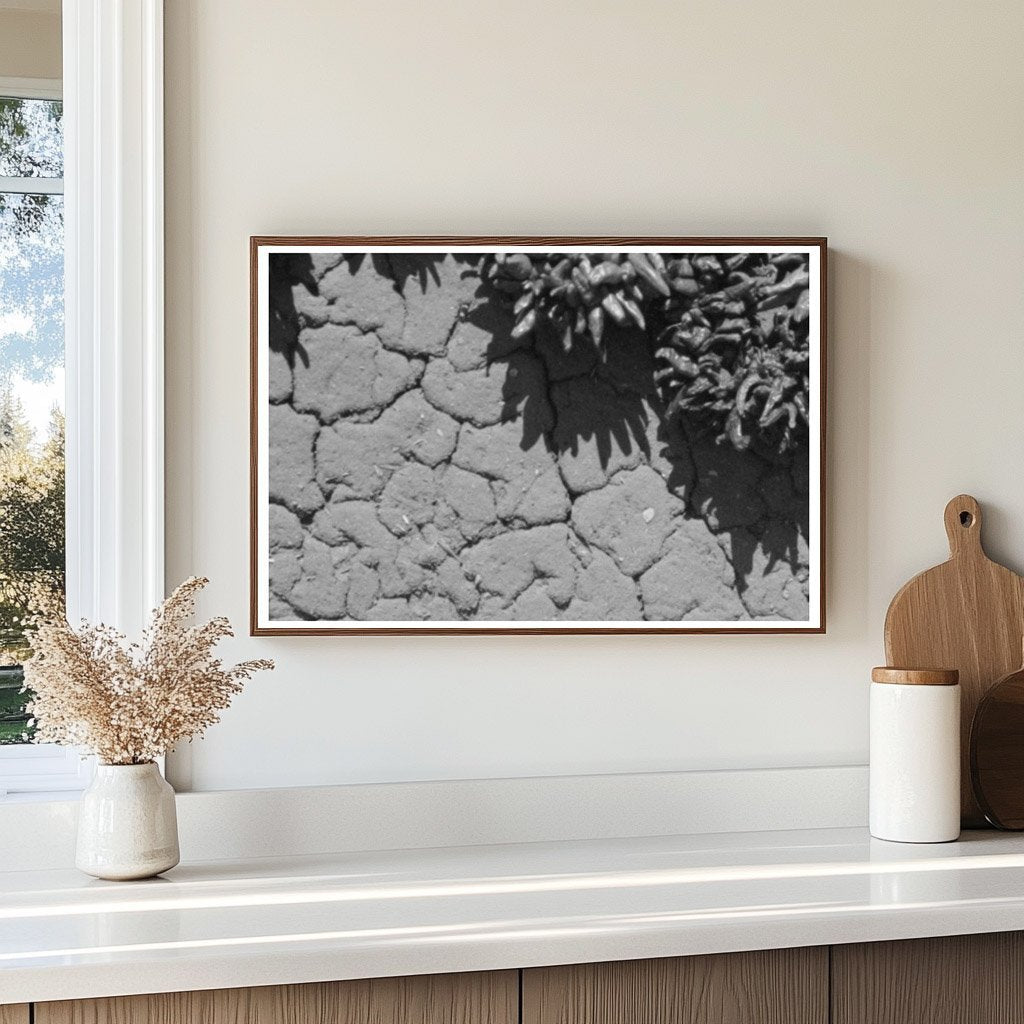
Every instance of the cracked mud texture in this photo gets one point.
(426, 465)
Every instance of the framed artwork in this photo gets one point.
(537, 435)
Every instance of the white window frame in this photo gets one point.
(113, 187)
(31, 89)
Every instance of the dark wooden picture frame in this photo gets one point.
(814, 299)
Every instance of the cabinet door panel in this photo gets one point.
(490, 998)
(962, 979)
(779, 986)
(14, 1014)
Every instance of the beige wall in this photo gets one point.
(29, 44)
(895, 129)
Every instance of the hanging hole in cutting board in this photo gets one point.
(966, 519)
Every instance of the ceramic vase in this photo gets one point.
(127, 824)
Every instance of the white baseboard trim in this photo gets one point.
(241, 824)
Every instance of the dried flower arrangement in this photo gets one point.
(129, 703)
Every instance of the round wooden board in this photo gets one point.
(997, 752)
(967, 613)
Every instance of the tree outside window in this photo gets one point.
(32, 541)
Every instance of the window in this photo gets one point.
(32, 531)
(112, 214)
(31, 383)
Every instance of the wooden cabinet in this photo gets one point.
(963, 979)
(491, 998)
(779, 986)
(971, 979)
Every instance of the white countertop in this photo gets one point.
(351, 915)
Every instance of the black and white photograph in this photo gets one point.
(549, 435)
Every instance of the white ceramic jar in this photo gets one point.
(127, 823)
(915, 755)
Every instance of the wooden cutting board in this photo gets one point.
(967, 614)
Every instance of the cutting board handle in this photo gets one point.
(963, 526)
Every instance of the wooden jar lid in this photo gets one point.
(916, 676)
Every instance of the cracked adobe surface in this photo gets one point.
(425, 465)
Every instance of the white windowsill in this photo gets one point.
(48, 797)
(42, 771)
(357, 915)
